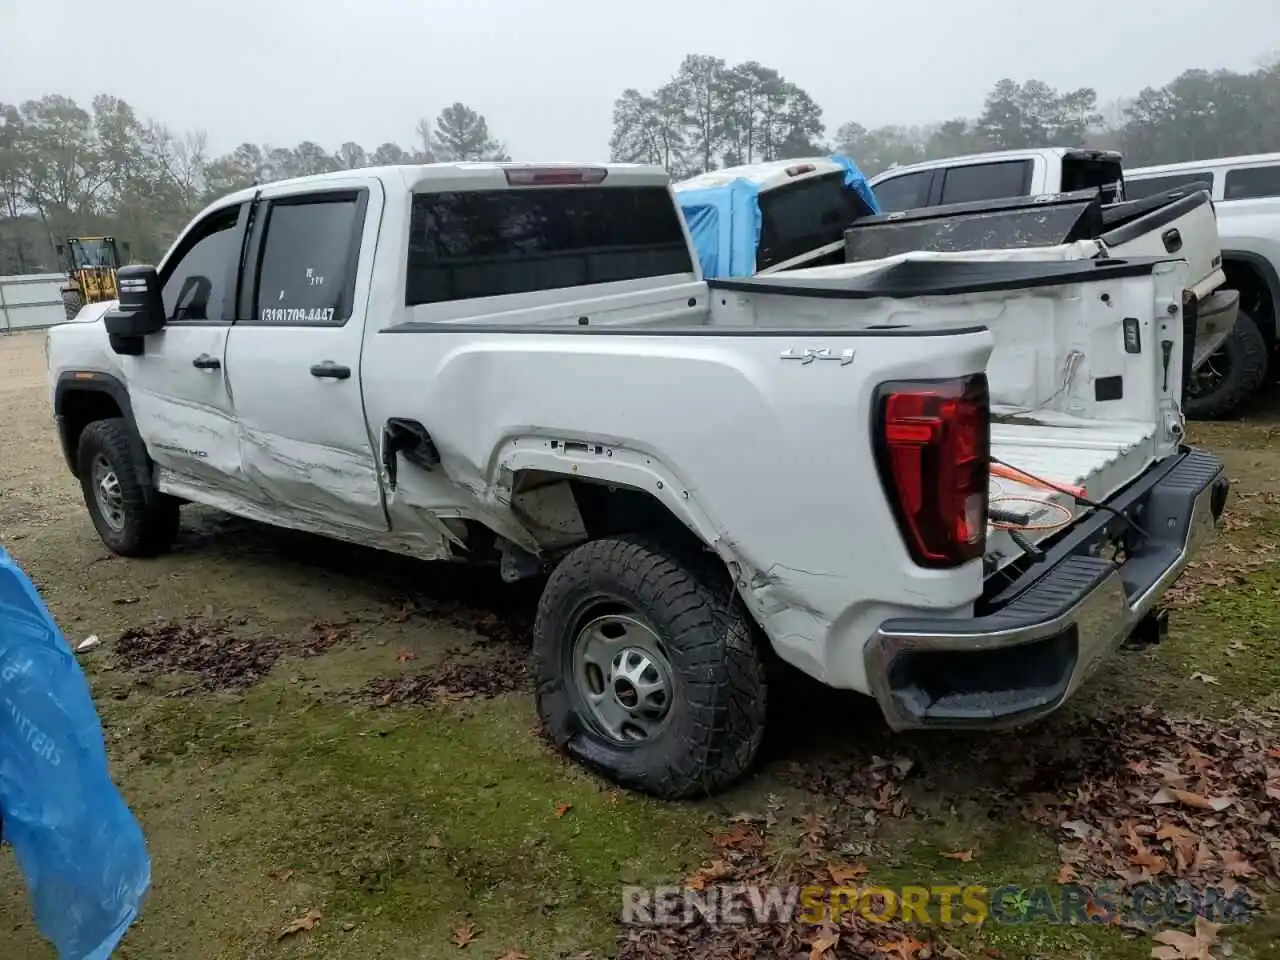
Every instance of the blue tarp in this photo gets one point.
(724, 221)
(77, 844)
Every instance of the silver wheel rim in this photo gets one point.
(106, 491)
(623, 676)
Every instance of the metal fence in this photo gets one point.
(30, 302)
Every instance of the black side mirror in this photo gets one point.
(140, 312)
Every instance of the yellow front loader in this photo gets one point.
(91, 264)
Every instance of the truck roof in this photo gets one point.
(770, 173)
(472, 175)
(1047, 153)
(1217, 163)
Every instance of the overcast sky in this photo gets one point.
(545, 72)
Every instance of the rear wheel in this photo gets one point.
(1230, 376)
(131, 521)
(648, 670)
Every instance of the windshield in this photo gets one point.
(92, 253)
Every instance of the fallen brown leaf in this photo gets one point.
(562, 809)
(908, 948)
(842, 874)
(1165, 795)
(464, 934)
(404, 654)
(823, 943)
(307, 922)
(513, 955)
(964, 856)
(1176, 945)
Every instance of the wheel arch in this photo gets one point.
(1259, 284)
(82, 396)
(614, 490)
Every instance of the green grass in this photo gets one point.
(399, 825)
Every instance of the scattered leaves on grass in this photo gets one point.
(487, 675)
(325, 635)
(464, 935)
(284, 876)
(221, 653)
(306, 922)
(512, 955)
(1175, 800)
(1229, 565)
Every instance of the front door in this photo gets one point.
(294, 358)
(178, 388)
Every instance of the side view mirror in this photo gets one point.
(140, 311)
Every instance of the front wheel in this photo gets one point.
(1231, 375)
(131, 521)
(648, 669)
(72, 302)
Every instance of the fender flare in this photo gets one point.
(1267, 271)
(616, 466)
(71, 382)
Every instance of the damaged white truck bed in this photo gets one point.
(950, 482)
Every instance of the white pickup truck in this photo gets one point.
(1150, 221)
(953, 484)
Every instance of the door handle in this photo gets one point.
(329, 370)
(206, 362)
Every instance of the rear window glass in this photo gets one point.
(907, 192)
(1251, 183)
(1087, 173)
(986, 181)
(1150, 186)
(488, 243)
(804, 216)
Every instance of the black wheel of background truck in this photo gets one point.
(72, 301)
(131, 521)
(1231, 376)
(648, 669)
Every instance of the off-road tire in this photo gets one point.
(72, 301)
(1247, 357)
(717, 716)
(150, 518)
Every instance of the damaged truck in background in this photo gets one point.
(881, 475)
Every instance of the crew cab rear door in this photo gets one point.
(293, 357)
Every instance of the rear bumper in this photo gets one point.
(1026, 654)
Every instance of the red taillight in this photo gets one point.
(933, 447)
(554, 176)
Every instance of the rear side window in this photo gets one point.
(800, 217)
(907, 192)
(986, 181)
(308, 260)
(489, 243)
(1251, 183)
(1150, 186)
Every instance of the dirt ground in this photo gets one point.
(320, 738)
